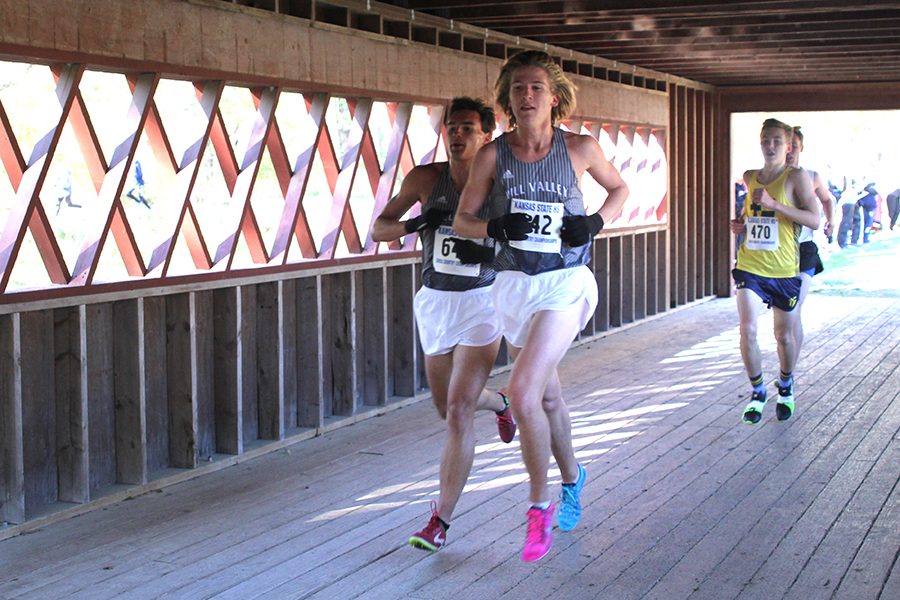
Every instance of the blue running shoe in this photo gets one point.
(570, 502)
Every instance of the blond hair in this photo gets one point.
(560, 86)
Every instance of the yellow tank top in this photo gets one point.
(770, 247)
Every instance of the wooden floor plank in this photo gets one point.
(672, 509)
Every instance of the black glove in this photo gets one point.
(579, 230)
(511, 226)
(470, 253)
(432, 219)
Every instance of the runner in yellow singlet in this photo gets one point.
(779, 201)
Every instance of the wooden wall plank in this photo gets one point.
(310, 353)
(227, 351)
(680, 204)
(155, 381)
(249, 386)
(710, 211)
(600, 262)
(182, 407)
(615, 282)
(130, 397)
(627, 285)
(340, 344)
(654, 281)
(287, 361)
(663, 271)
(268, 352)
(203, 371)
(38, 412)
(673, 193)
(71, 406)
(371, 298)
(97, 329)
(640, 276)
(12, 467)
(689, 242)
(402, 341)
(723, 257)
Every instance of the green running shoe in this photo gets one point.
(753, 410)
(785, 406)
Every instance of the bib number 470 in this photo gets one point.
(761, 231)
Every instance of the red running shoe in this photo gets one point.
(433, 536)
(506, 426)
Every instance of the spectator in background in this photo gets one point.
(868, 201)
(136, 192)
(893, 205)
(849, 228)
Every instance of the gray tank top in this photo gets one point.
(443, 271)
(546, 190)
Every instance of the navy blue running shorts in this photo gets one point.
(780, 292)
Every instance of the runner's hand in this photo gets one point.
(470, 253)
(511, 226)
(579, 230)
(432, 219)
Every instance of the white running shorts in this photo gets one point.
(518, 297)
(447, 319)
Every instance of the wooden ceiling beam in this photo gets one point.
(715, 27)
(575, 9)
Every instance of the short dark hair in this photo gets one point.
(485, 112)
(776, 124)
(797, 133)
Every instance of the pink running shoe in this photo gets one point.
(506, 426)
(539, 537)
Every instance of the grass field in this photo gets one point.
(871, 269)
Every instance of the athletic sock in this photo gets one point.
(541, 505)
(444, 524)
(505, 403)
(758, 386)
(785, 379)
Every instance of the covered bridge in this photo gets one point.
(187, 276)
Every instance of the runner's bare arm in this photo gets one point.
(475, 194)
(415, 188)
(588, 156)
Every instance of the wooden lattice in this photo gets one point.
(226, 236)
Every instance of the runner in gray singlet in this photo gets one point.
(545, 295)
(455, 316)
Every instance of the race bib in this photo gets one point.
(546, 221)
(762, 233)
(444, 259)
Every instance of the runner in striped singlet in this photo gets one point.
(529, 181)
(458, 326)
(810, 262)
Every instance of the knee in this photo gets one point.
(524, 407)
(459, 417)
(748, 330)
(551, 404)
(784, 335)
